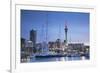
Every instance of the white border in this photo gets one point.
(15, 60)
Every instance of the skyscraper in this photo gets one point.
(33, 37)
(66, 30)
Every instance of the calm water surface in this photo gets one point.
(56, 59)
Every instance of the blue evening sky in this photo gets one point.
(77, 23)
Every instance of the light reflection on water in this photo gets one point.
(56, 59)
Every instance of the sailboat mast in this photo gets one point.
(47, 27)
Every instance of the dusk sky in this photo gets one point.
(77, 23)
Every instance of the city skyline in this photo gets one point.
(77, 23)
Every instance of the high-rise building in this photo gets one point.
(23, 43)
(33, 37)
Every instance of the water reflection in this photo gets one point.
(57, 59)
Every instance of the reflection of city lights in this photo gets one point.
(83, 57)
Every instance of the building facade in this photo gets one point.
(33, 36)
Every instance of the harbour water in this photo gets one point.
(52, 58)
(57, 59)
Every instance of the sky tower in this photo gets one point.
(66, 30)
